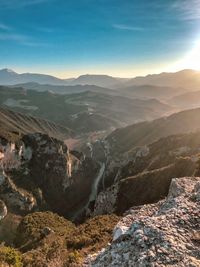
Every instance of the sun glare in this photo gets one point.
(191, 60)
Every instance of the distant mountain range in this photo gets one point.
(10, 77)
(99, 80)
(65, 89)
(188, 79)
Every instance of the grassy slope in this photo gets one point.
(14, 123)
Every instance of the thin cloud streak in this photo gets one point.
(21, 39)
(7, 34)
(127, 27)
(35, 44)
(4, 27)
(189, 9)
(12, 37)
(13, 4)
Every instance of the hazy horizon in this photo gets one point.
(98, 74)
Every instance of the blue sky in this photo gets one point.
(116, 37)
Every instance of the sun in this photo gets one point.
(191, 60)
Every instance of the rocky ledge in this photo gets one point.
(163, 234)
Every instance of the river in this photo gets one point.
(94, 190)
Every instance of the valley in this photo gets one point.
(82, 112)
(84, 161)
(99, 133)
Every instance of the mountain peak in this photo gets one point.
(7, 70)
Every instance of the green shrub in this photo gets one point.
(67, 244)
(73, 257)
(32, 225)
(10, 256)
(94, 233)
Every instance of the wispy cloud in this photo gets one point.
(21, 39)
(189, 9)
(12, 37)
(127, 27)
(4, 27)
(8, 34)
(35, 44)
(10, 4)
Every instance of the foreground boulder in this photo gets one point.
(163, 234)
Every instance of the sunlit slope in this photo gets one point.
(14, 123)
(139, 134)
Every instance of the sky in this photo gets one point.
(123, 38)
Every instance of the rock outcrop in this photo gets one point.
(163, 234)
(64, 179)
(39, 172)
(14, 197)
(3, 210)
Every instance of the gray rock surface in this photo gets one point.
(163, 234)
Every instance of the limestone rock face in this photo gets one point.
(14, 197)
(163, 234)
(3, 210)
(64, 179)
(105, 202)
(39, 171)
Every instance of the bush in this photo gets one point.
(10, 256)
(73, 257)
(67, 245)
(31, 226)
(94, 233)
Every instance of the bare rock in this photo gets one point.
(3, 210)
(46, 231)
(161, 234)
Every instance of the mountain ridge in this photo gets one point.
(188, 78)
(10, 77)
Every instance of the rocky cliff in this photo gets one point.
(163, 234)
(39, 172)
(143, 174)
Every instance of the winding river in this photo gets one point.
(94, 190)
